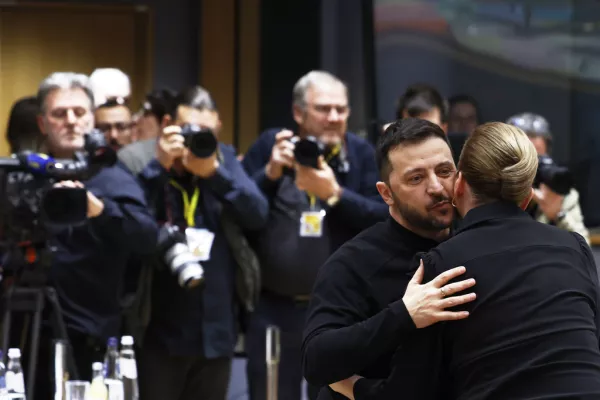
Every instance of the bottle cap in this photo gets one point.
(97, 366)
(127, 341)
(112, 342)
(12, 353)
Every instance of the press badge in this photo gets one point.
(311, 223)
(200, 242)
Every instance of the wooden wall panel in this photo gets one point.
(217, 59)
(219, 62)
(249, 80)
(37, 39)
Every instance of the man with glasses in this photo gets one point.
(113, 118)
(313, 210)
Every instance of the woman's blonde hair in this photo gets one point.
(499, 162)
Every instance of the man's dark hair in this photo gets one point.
(404, 131)
(419, 99)
(195, 97)
(22, 131)
(465, 98)
(160, 102)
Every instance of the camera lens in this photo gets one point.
(183, 264)
(308, 151)
(201, 141)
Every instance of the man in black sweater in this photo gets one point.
(365, 303)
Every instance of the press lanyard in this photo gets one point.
(311, 197)
(189, 206)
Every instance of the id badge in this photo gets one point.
(200, 242)
(311, 223)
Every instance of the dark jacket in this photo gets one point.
(230, 204)
(289, 261)
(90, 260)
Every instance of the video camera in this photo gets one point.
(556, 177)
(28, 199)
(202, 142)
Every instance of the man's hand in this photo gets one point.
(95, 206)
(319, 182)
(170, 146)
(549, 202)
(202, 167)
(282, 155)
(426, 303)
(345, 387)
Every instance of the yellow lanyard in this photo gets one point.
(334, 152)
(189, 206)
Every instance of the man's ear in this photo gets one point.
(166, 121)
(40, 123)
(459, 186)
(385, 192)
(298, 113)
(525, 203)
(444, 127)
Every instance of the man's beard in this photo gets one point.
(418, 220)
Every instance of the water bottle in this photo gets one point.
(3, 389)
(15, 383)
(111, 360)
(128, 368)
(98, 389)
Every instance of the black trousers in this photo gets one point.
(163, 376)
(287, 314)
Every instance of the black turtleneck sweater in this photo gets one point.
(356, 318)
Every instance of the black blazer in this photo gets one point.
(532, 332)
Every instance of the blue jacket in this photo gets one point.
(201, 321)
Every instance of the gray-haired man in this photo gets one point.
(88, 260)
(314, 209)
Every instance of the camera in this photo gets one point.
(176, 254)
(556, 177)
(308, 150)
(202, 142)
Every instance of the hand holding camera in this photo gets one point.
(95, 206)
(194, 145)
(282, 155)
(320, 182)
(170, 146)
(549, 202)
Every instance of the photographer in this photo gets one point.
(320, 182)
(549, 206)
(88, 260)
(194, 182)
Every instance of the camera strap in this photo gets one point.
(189, 205)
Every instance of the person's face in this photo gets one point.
(325, 114)
(203, 118)
(115, 123)
(463, 118)
(434, 116)
(66, 116)
(421, 184)
(147, 127)
(540, 145)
